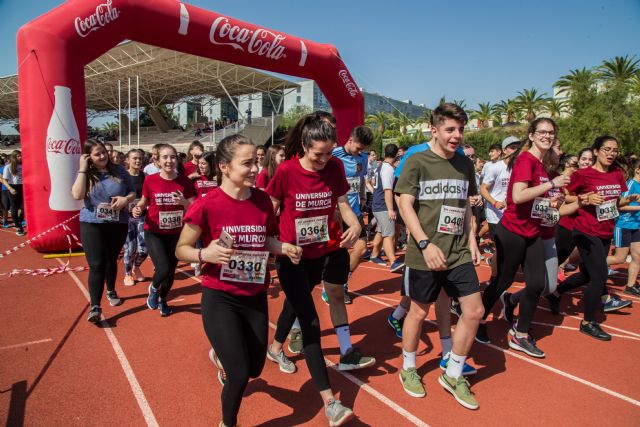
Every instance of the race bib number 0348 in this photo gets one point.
(246, 267)
(170, 220)
(312, 230)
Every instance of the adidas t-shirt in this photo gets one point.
(436, 182)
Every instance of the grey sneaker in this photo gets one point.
(353, 359)
(295, 341)
(412, 383)
(286, 365)
(112, 296)
(94, 314)
(460, 389)
(337, 413)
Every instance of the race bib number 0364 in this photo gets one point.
(312, 230)
(170, 220)
(246, 267)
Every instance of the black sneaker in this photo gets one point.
(456, 309)
(165, 310)
(112, 296)
(570, 267)
(94, 314)
(526, 345)
(481, 335)
(507, 307)
(353, 359)
(554, 303)
(632, 290)
(594, 330)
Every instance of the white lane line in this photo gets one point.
(571, 328)
(363, 386)
(536, 363)
(25, 344)
(147, 413)
(603, 325)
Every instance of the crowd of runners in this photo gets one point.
(317, 210)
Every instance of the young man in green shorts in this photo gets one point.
(442, 251)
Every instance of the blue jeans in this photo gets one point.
(135, 249)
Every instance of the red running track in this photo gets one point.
(137, 368)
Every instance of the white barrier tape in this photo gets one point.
(63, 224)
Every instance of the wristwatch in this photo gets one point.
(422, 244)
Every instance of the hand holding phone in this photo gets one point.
(226, 241)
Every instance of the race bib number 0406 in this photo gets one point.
(312, 230)
(451, 220)
(246, 267)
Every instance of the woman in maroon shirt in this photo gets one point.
(273, 158)
(593, 227)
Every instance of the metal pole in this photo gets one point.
(273, 117)
(138, 107)
(119, 117)
(129, 101)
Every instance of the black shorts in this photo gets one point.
(6, 200)
(363, 230)
(336, 267)
(624, 237)
(424, 286)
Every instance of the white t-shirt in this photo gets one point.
(150, 169)
(386, 176)
(496, 178)
(10, 177)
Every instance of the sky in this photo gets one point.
(477, 51)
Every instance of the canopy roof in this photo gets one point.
(165, 76)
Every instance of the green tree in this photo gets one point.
(619, 70)
(402, 122)
(484, 114)
(379, 119)
(555, 107)
(508, 109)
(294, 114)
(531, 102)
(577, 79)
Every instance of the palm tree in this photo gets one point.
(484, 114)
(380, 119)
(574, 81)
(402, 121)
(425, 117)
(531, 102)
(460, 103)
(555, 107)
(507, 108)
(619, 70)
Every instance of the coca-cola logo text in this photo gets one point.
(351, 86)
(103, 15)
(260, 42)
(63, 146)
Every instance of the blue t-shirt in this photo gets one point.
(355, 168)
(413, 150)
(2, 170)
(630, 220)
(102, 192)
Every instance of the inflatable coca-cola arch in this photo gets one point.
(54, 48)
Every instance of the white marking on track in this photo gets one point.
(25, 344)
(147, 413)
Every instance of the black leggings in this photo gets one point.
(16, 206)
(102, 244)
(514, 250)
(593, 271)
(162, 250)
(564, 243)
(297, 282)
(237, 328)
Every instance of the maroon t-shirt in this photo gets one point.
(549, 232)
(517, 218)
(249, 222)
(164, 215)
(204, 185)
(308, 201)
(262, 179)
(610, 185)
(189, 168)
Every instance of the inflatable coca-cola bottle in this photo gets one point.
(63, 152)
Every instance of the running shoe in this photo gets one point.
(378, 260)
(325, 297)
(554, 303)
(561, 276)
(412, 383)
(112, 296)
(594, 330)
(570, 267)
(614, 303)
(152, 299)
(347, 297)
(337, 413)
(487, 250)
(5, 224)
(628, 259)
(128, 280)
(632, 290)
(165, 310)
(367, 255)
(94, 314)
(222, 375)
(397, 265)
(526, 345)
(507, 307)
(20, 233)
(481, 335)
(396, 325)
(612, 272)
(460, 389)
(285, 364)
(138, 275)
(353, 359)
(466, 369)
(295, 341)
(456, 309)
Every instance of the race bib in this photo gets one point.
(606, 211)
(540, 206)
(170, 219)
(312, 230)
(246, 267)
(105, 212)
(354, 185)
(451, 220)
(550, 217)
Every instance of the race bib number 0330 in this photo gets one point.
(170, 220)
(606, 211)
(105, 212)
(312, 230)
(246, 267)
(451, 220)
